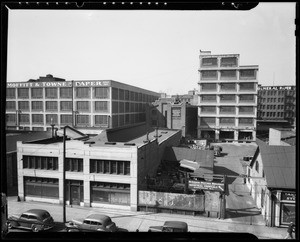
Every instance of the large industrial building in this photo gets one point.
(227, 98)
(99, 104)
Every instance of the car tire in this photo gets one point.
(35, 229)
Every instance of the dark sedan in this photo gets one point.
(92, 223)
(34, 219)
(170, 226)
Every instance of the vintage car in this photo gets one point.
(34, 219)
(170, 226)
(92, 223)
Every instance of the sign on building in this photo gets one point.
(201, 185)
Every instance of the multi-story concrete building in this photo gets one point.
(100, 104)
(227, 98)
(276, 103)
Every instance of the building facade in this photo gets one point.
(277, 103)
(171, 114)
(227, 98)
(272, 183)
(98, 173)
(38, 104)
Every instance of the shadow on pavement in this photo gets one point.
(226, 171)
(242, 212)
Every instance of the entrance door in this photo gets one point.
(75, 195)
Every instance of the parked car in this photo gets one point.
(33, 219)
(170, 226)
(92, 223)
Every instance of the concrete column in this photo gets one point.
(86, 180)
(217, 134)
(236, 135)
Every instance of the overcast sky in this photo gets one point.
(155, 50)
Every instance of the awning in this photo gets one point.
(192, 165)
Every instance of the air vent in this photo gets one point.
(130, 144)
(89, 142)
(110, 143)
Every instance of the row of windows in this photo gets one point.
(228, 86)
(80, 92)
(64, 92)
(272, 100)
(224, 61)
(272, 114)
(81, 106)
(41, 187)
(227, 74)
(110, 167)
(127, 119)
(227, 109)
(76, 165)
(276, 92)
(282, 107)
(229, 97)
(224, 121)
(65, 119)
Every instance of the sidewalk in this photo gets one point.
(132, 221)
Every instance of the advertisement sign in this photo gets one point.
(57, 84)
(212, 186)
(176, 112)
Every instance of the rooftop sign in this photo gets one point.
(213, 186)
(57, 84)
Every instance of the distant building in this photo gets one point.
(87, 105)
(190, 98)
(227, 98)
(276, 103)
(106, 170)
(282, 137)
(174, 114)
(272, 182)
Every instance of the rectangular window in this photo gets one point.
(74, 164)
(115, 93)
(121, 107)
(209, 98)
(209, 74)
(23, 105)
(101, 120)
(37, 118)
(51, 92)
(126, 95)
(247, 98)
(83, 120)
(227, 98)
(101, 106)
(209, 86)
(37, 106)
(110, 167)
(228, 61)
(246, 110)
(51, 106)
(211, 61)
(115, 107)
(11, 105)
(208, 109)
(228, 74)
(207, 121)
(247, 86)
(228, 86)
(40, 162)
(227, 109)
(227, 121)
(83, 92)
(83, 106)
(37, 93)
(246, 121)
(51, 119)
(247, 74)
(121, 94)
(41, 187)
(66, 119)
(23, 93)
(101, 92)
(24, 119)
(10, 93)
(66, 105)
(66, 92)
(126, 107)
(11, 118)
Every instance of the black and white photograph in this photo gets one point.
(132, 118)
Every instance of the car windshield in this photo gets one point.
(45, 215)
